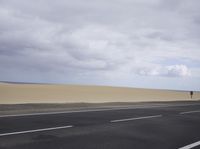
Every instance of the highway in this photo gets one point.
(164, 126)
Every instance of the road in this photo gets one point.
(169, 126)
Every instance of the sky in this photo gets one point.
(132, 43)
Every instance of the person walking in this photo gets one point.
(191, 94)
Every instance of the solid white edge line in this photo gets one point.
(62, 112)
(191, 145)
(135, 118)
(95, 110)
(188, 112)
(35, 130)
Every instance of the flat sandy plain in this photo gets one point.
(49, 93)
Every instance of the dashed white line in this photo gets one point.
(191, 145)
(188, 112)
(135, 118)
(35, 130)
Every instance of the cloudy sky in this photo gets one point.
(136, 43)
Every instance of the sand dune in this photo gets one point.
(41, 93)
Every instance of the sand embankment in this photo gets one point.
(40, 93)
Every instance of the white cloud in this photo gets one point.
(167, 71)
(178, 70)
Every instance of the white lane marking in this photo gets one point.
(96, 110)
(35, 130)
(191, 145)
(135, 118)
(63, 112)
(188, 112)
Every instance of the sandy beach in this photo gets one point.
(48, 93)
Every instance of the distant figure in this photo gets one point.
(191, 94)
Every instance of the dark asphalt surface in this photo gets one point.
(94, 130)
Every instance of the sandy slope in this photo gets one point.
(38, 93)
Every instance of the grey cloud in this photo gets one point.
(161, 36)
(97, 37)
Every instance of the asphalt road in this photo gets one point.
(170, 126)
